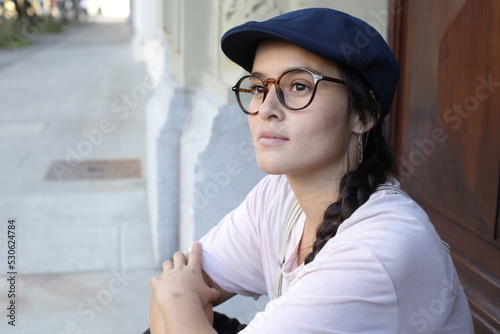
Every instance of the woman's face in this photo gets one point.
(311, 141)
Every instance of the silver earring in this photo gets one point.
(360, 149)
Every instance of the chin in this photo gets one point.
(271, 171)
(273, 167)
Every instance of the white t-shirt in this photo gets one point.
(385, 271)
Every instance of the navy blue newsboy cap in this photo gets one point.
(328, 33)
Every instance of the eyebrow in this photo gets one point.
(257, 74)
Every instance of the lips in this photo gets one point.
(269, 137)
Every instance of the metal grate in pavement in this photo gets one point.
(94, 169)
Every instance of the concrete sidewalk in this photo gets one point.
(72, 176)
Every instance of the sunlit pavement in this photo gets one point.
(72, 138)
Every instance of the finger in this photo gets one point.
(153, 280)
(195, 255)
(167, 265)
(179, 258)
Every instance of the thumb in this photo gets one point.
(215, 294)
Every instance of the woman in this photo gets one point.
(358, 255)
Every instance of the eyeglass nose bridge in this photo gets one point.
(266, 84)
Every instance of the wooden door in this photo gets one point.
(446, 133)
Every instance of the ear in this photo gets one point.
(358, 126)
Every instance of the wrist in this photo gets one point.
(183, 311)
(179, 301)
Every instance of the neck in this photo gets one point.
(316, 191)
(314, 194)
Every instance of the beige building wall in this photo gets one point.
(200, 158)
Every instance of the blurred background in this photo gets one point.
(121, 142)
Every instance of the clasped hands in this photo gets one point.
(181, 287)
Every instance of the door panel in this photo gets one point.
(446, 123)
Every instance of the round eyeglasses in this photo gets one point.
(295, 89)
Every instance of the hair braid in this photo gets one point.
(356, 186)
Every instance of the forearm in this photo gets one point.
(224, 295)
(184, 314)
(156, 319)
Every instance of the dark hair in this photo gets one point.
(356, 186)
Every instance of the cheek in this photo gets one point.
(332, 99)
(331, 124)
(330, 136)
(327, 133)
(252, 124)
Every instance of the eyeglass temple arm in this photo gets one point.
(339, 81)
(244, 90)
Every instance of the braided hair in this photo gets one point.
(357, 185)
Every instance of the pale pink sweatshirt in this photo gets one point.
(386, 270)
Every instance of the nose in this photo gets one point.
(271, 106)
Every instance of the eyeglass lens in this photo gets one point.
(295, 90)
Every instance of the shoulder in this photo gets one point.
(390, 209)
(272, 184)
(396, 232)
(263, 208)
(272, 192)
